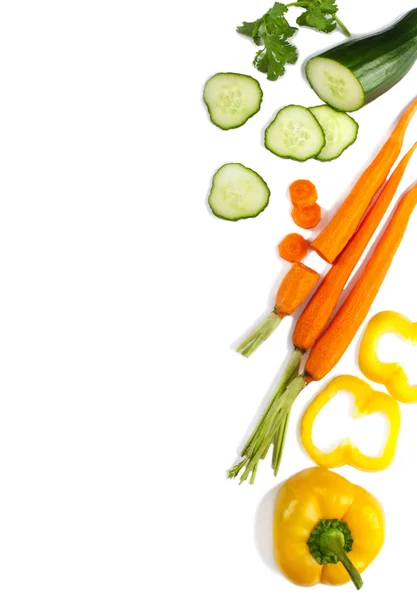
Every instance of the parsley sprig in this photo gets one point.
(272, 31)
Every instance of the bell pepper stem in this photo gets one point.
(259, 335)
(329, 542)
(333, 542)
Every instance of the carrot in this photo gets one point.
(294, 289)
(293, 247)
(329, 348)
(331, 241)
(296, 286)
(318, 311)
(303, 193)
(333, 343)
(306, 217)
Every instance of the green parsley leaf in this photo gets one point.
(319, 15)
(272, 31)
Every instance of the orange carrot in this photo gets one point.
(303, 193)
(295, 288)
(335, 340)
(331, 241)
(306, 217)
(318, 311)
(293, 247)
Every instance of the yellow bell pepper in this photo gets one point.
(391, 375)
(326, 529)
(367, 401)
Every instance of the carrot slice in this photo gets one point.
(335, 340)
(334, 237)
(303, 192)
(293, 247)
(294, 289)
(306, 217)
(318, 311)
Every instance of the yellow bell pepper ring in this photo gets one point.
(391, 375)
(326, 529)
(367, 402)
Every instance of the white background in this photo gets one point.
(122, 403)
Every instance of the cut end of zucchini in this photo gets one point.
(294, 133)
(340, 131)
(232, 99)
(238, 193)
(335, 84)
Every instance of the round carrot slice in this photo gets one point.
(307, 217)
(303, 193)
(293, 248)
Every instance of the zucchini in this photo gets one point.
(237, 193)
(232, 99)
(340, 131)
(356, 72)
(294, 133)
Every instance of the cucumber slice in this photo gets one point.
(232, 99)
(238, 193)
(295, 133)
(335, 84)
(340, 131)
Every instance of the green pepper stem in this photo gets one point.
(259, 335)
(332, 542)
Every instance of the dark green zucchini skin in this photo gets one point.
(380, 60)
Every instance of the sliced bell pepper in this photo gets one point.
(367, 402)
(391, 375)
(326, 529)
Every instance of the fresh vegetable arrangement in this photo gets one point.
(326, 529)
(329, 348)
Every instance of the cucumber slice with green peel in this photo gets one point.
(232, 99)
(356, 72)
(295, 133)
(340, 131)
(335, 84)
(238, 193)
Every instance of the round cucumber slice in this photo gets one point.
(335, 84)
(237, 193)
(340, 131)
(232, 99)
(295, 133)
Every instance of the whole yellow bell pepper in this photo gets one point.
(326, 529)
(391, 375)
(367, 402)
